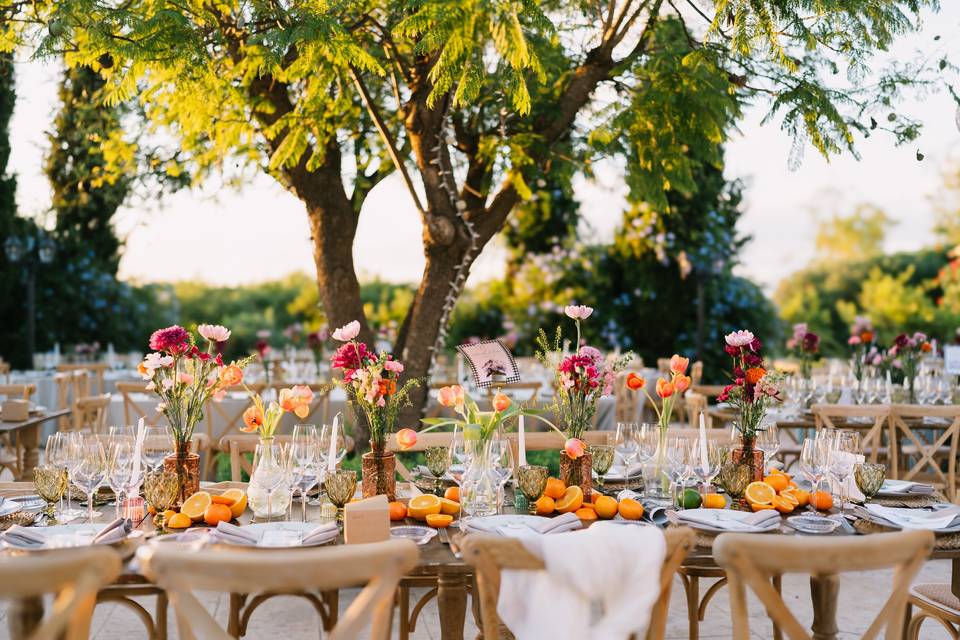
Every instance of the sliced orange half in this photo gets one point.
(759, 493)
(571, 501)
(195, 506)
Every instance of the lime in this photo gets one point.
(689, 499)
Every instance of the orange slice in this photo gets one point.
(759, 493)
(420, 507)
(790, 497)
(571, 501)
(782, 505)
(449, 507)
(195, 506)
(239, 504)
(222, 499)
(760, 507)
(439, 520)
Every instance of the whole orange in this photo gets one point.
(714, 501)
(630, 509)
(555, 488)
(803, 497)
(452, 493)
(398, 511)
(822, 501)
(217, 513)
(606, 507)
(545, 505)
(779, 481)
(586, 514)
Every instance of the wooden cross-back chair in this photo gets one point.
(751, 560)
(696, 403)
(626, 401)
(873, 430)
(90, 413)
(222, 420)
(96, 371)
(70, 386)
(528, 391)
(135, 407)
(918, 447)
(490, 555)
(73, 576)
(696, 373)
(377, 567)
(11, 456)
(17, 391)
(237, 444)
(5, 371)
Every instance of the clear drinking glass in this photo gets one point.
(678, 464)
(307, 439)
(768, 441)
(625, 442)
(90, 471)
(503, 467)
(69, 453)
(269, 482)
(157, 445)
(293, 470)
(119, 469)
(707, 456)
(842, 459)
(339, 447)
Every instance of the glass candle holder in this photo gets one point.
(532, 480)
(869, 477)
(602, 460)
(438, 459)
(161, 489)
(340, 489)
(51, 483)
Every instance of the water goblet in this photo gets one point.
(293, 471)
(161, 489)
(503, 465)
(341, 485)
(90, 471)
(869, 477)
(50, 481)
(532, 480)
(157, 445)
(734, 478)
(119, 469)
(603, 455)
(438, 460)
(625, 441)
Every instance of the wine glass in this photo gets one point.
(625, 442)
(157, 445)
(842, 458)
(90, 471)
(813, 461)
(768, 441)
(503, 466)
(307, 440)
(677, 465)
(69, 452)
(123, 431)
(339, 446)
(341, 485)
(293, 470)
(268, 481)
(438, 460)
(532, 480)
(50, 481)
(458, 450)
(160, 488)
(707, 455)
(119, 469)
(602, 456)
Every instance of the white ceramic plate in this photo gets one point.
(9, 506)
(283, 534)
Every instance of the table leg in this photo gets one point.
(24, 616)
(30, 441)
(452, 604)
(955, 578)
(823, 591)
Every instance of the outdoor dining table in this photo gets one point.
(28, 432)
(454, 577)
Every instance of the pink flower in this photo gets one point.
(350, 357)
(173, 339)
(185, 378)
(739, 338)
(681, 383)
(452, 396)
(214, 332)
(151, 363)
(406, 438)
(219, 395)
(578, 312)
(347, 332)
(679, 364)
(854, 340)
(574, 448)
(592, 353)
(296, 400)
(394, 366)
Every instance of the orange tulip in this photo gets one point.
(681, 383)
(635, 382)
(678, 364)
(406, 438)
(664, 389)
(574, 448)
(754, 374)
(452, 396)
(252, 419)
(296, 400)
(231, 375)
(926, 347)
(501, 402)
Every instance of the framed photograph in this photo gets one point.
(490, 361)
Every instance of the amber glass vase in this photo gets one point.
(378, 472)
(186, 465)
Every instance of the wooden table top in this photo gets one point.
(33, 420)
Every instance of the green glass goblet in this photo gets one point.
(161, 489)
(340, 489)
(602, 460)
(734, 478)
(532, 480)
(51, 483)
(869, 477)
(438, 460)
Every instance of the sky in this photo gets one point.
(260, 231)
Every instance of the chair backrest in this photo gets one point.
(708, 390)
(928, 437)
(527, 391)
(70, 386)
(378, 567)
(696, 372)
(750, 560)
(5, 371)
(872, 434)
(696, 403)
(223, 419)
(238, 444)
(73, 575)
(135, 408)
(90, 412)
(95, 369)
(489, 555)
(17, 391)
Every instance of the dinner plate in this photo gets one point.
(283, 534)
(26, 503)
(507, 520)
(9, 506)
(890, 489)
(420, 535)
(63, 536)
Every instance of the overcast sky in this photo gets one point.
(261, 232)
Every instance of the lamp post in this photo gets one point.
(21, 251)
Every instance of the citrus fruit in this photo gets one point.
(452, 493)
(222, 499)
(803, 497)
(545, 505)
(586, 514)
(793, 485)
(239, 504)
(398, 511)
(760, 507)
(216, 513)
(759, 493)
(606, 507)
(630, 509)
(790, 497)
(168, 514)
(439, 520)
(195, 506)
(422, 506)
(777, 481)
(782, 505)
(571, 500)
(554, 488)
(449, 507)
(178, 521)
(822, 501)
(689, 499)
(714, 501)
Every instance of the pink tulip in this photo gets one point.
(681, 383)
(578, 312)
(678, 364)
(452, 396)
(347, 332)
(406, 438)
(574, 448)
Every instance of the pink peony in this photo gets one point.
(350, 357)
(739, 338)
(347, 332)
(214, 332)
(393, 366)
(592, 353)
(174, 339)
(578, 312)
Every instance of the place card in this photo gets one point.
(16, 410)
(490, 362)
(367, 520)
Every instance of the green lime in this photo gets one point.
(689, 499)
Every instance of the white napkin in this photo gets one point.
(905, 486)
(948, 516)
(232, 534)
(852, 491)
(323, 533)
(569, 586)
(559, 524)
(620, 472)
(730, 520)
(113, 532)
(23, 537)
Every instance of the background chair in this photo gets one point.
(869, 420)
(936, 602)
(489, 555)
(90, 413)
(923, 440)
(11, 452)
(73, 575)
(96, 371)
(751, 560)
(378, 567)
(135, 406)
(70, 386)
(237, 444)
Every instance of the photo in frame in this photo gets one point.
(490, 360)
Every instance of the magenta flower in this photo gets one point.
(351, 356)
(173, 339)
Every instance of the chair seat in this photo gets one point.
(939, 595)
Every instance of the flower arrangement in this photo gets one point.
(265, 418)
(582, 378)
(316, 341)
(487, 423)
(805, 345)
(863, 351)
(910, 350)
(667, 389)
(186, 376)
(754, 389)
(371, 381)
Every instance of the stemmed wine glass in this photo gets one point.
(707, 456)
(90, 470)
(503, 467)
(119, 468)
(768, 441)
(69, 453)
(293, 470)
(307, 440)
(339, 447)
(625, 442)
(157, 445)
(842, 459)
(438, 461)
(678, 463)
(813, 461)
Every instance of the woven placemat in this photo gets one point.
(910, 502)
(942, 540)
(21, 518)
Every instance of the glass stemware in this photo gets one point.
(869, 478)
(339, 447)
(160, 488)
(293, 472)
(269, 482)
(90, 471)
(734, 479)
(625, 442)
(842, 458)
(341, 485)
(119, 469)
(768, 441)
(814, 460)
(50, 481)
(603, 455)
(503, 466)
(678, 464)
(707, 456)
(157, 445)
(532, 480)
(438, 460)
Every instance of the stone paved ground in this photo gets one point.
(292, 619)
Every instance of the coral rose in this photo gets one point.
(452, 396)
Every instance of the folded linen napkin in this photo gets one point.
(323, 533)
(559, 524)
(620, 472)
(23, 537)
(232, 534)
(851, 490)
(113, 532)
(626, 591)
(943, 518)
(905, 486)
(730, 520)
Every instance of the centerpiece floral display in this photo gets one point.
(186, 376)
(910, 350)
(805, 346)
(863, 352)
(371, 381)
(753, 391)
(582, 378)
